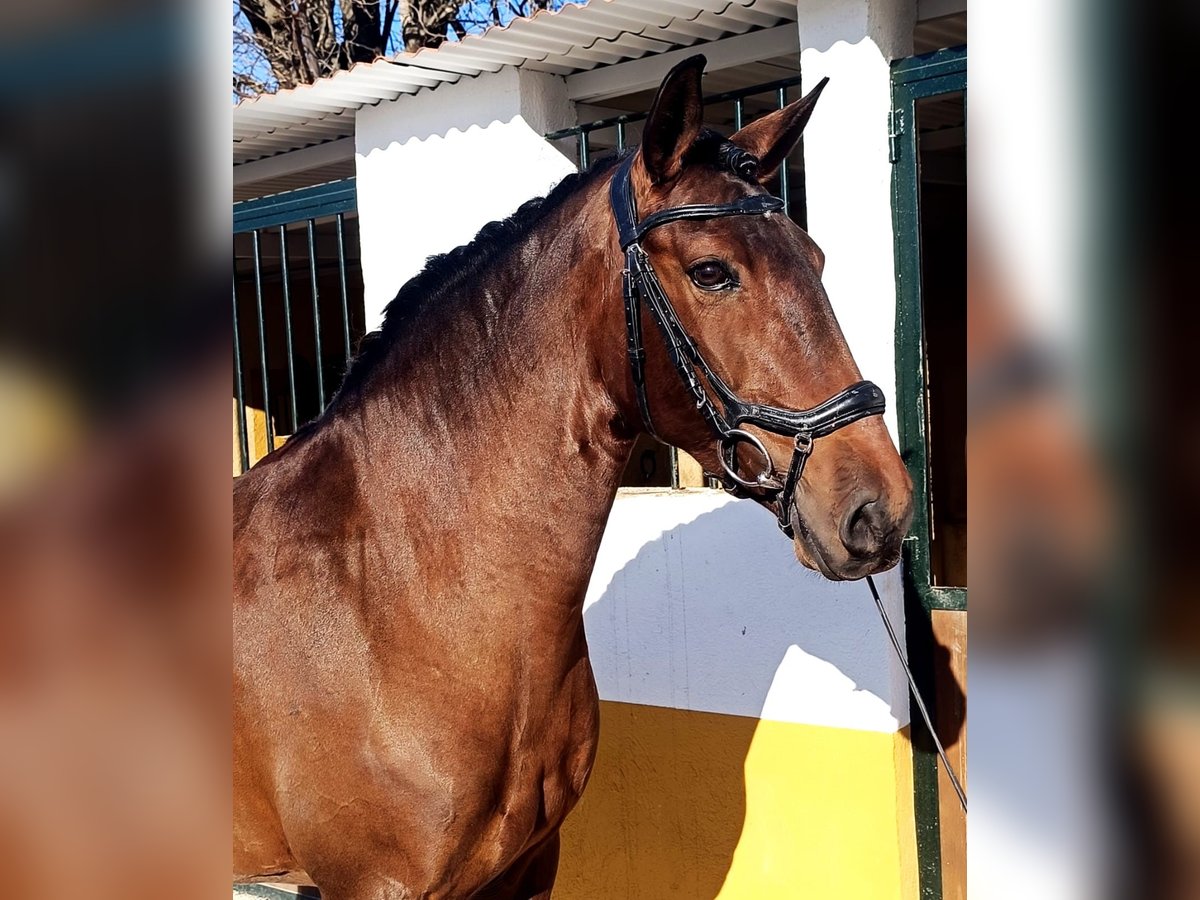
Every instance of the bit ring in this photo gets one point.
(729, 442)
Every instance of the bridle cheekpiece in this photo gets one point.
(641, 286)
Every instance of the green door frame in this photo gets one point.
(913, 79)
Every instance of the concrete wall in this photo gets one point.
(752, 739)
(697, 602)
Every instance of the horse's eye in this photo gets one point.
(710, 275)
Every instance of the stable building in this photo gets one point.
(757, 738)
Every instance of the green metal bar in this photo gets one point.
(936, 87)
(910, 389)
(952, 599)
(921, 647)
(785, 186)
(585, 160)
(239, 386)
(262, 342)
(737, 114)
(741, 93)
(764, 88)
(287, 325)
(621, 136)
(316, 304)
(306, 203)
(341, 245)
(576, 130)
(930, 65)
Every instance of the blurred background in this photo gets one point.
(1081, 460)
(1083, 449)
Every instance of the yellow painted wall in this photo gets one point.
(700, 805)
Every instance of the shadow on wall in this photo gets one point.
(706, 627)
(715, 613)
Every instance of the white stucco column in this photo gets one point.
(848, 190)
(848, 176)
(436, 166)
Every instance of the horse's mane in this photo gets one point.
(439, 283)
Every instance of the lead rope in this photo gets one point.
(912, 686)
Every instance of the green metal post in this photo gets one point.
(239, 385)
(287, 326)
(785, 186)
(316, 306)
(262, 340)
(925, 76)
(341, 247)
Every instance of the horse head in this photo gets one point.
(747, 290)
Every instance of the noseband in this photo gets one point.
(804, 426)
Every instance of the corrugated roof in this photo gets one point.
(572, 39)
(944, 31)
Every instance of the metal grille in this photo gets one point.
(727, 112)
(297, 311)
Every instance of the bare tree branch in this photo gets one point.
(279, 44)
(389, 19)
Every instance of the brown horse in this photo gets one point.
(414, 710)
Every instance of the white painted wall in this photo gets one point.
(849, 177)
(697, 602)
(436, 166)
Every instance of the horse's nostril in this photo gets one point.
(864, 527)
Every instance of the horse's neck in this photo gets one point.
(498, 436)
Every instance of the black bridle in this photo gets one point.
(804, 426)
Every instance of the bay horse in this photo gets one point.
(414, 710)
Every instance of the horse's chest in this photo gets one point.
(550, 759)
(576, 747)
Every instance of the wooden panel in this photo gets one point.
(950, 634)
(256, 436)
(691, 473)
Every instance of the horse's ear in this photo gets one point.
(772, 137)
(674, 121)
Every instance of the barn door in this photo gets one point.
(929, 181)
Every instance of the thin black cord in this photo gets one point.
(912, 686)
